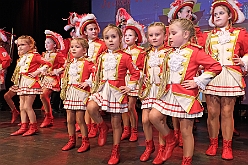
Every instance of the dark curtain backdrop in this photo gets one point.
(33, 17)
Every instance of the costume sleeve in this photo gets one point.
(212, 68)
(4, 59)
(244, 47)
(134, 71)
(199, 36)
(45, 64)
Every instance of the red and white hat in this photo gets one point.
(84, 20)
(121, 16)
(233, 6)
(176, 6)
(3, 36)
(72, 19)
(57, 38)
(138, 28)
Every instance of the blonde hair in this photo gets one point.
(158, 24)
(114, 27)
(186, 25)
(29, 40)
(83, 42)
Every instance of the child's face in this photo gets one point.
(221, 17)
(186, 12)
(91, 31)
(156, 36)
(177, 36)
(23, 46)
(130, 37)
(77, 50)
(49, 44)
(112, 39)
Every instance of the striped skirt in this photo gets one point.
(50, 83)
(108, 99)
(14, 88)
(168, 105)
(225, 84)
(76, 99)
(148, 102)
(134, 92)
(25, 86)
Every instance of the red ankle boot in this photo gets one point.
(77, 127)
(149, 150)
(126, 133)
(93, 130)
(21, 130)
(85, 145)
(227, 150)
(103, 131)
(33, 129)
(15, 114)
(71, 143)
(171, 143)
(212, 149)
(115, 155)
(48, 121)
(88, 127)
(187, 161)
(159, 158)
(134, 135)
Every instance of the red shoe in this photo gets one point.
(71, 143)
(212, 149)
(103, 131)
(77, 127)
(126, 133)
(93, 130)
(149, 150)
(88, 127)
(33, 129)
(115, 155)
(159, 158)
(134, 135)
(171, 143)
(187, 161)
(15, 115)
(21, 130)
(48, 121)
(85, 145)
(227, 150)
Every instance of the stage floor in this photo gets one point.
(45, 148)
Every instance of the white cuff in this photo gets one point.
(89, 82)
(43, 69)
(245, 67)
(132, 87)
(199, 83)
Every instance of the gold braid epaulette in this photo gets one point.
(65, 81)
(208, 43)
(144, 93)
(165, 75)
(15, 76)
(97, 76)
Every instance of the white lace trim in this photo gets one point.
(199, 83)
(223, 36)
(73, 68)
(154, 59)
(110, 62)
(176, 59)
(91, 49)
(22, 61)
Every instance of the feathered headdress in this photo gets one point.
(57, 38)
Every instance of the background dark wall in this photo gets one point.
(33, 17)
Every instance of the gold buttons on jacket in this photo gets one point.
(180, 73)
(228, 58)
(77, 79)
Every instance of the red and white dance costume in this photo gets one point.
(4, 63)
(111, 72)
(152, 72)
(225, 45)
(79, 71)
(173, 99)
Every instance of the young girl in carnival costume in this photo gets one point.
(179, 88)
(89, 28)
(228, 46)
(28, 81)
(110, 89)
(5, 61)
(133, 35)
(183, 9)
(149, 85)
(51, 79)
(75, 92)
